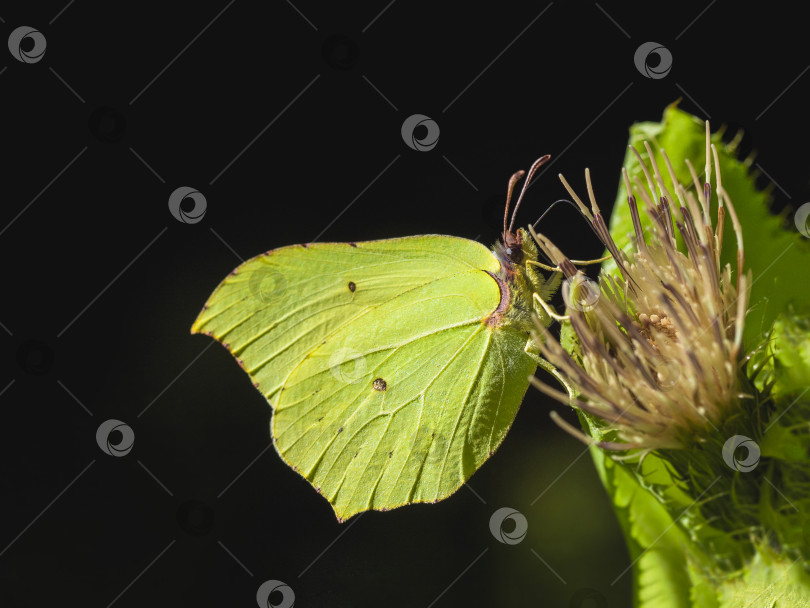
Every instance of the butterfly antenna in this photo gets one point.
(550, 207)
(510, 188)
(535, 166)
(574, 205)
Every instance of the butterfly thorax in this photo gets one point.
(521, 280)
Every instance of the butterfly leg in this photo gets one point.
(575, 262)
(531, 350)
(589, 262)
(548, 310)
(544, 266)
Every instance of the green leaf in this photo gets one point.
(657, 546)
(780, 442)
(790, 346)
(769, 581)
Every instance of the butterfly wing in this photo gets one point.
(388, 385)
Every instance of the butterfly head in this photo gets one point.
(512, 249)
(516, 248)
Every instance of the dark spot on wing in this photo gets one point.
(352, 286)
(340, 430)
(379, 384)
(390, 454)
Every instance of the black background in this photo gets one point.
(101, 283)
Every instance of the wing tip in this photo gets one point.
(197, 327)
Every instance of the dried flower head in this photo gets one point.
(660, 337)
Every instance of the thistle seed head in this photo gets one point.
(660, 337)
